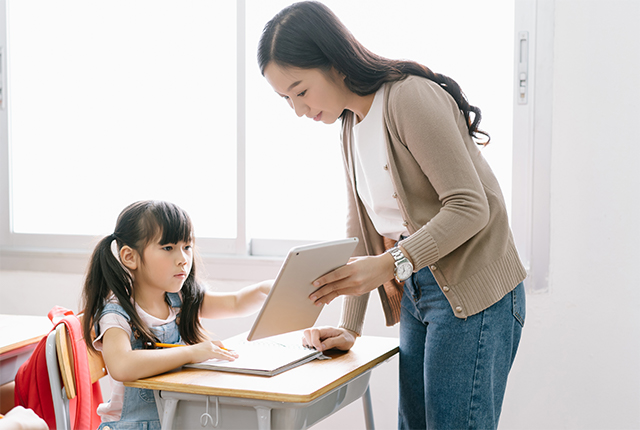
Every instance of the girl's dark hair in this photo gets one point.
(138, 225)
(309, 35)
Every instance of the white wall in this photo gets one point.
(578, 366)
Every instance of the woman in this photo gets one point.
(427, 209)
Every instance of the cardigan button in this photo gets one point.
(404, 223)
(386, 167)
(394, 195)
(434, 267)
(458, 309)
(446, 290)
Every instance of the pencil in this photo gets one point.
(173, 345)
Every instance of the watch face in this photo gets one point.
(404, 271)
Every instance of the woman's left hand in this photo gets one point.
(360, 275)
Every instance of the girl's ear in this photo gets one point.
(129, 257)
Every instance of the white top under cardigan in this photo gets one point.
(373, 181)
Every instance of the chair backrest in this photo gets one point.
(60, 401)
(67, 393)
(65, 361)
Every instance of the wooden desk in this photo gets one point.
(295, 399)
(19, 335)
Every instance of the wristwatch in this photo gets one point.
(404, 268)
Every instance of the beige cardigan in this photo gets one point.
(449, 198)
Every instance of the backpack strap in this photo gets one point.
(57, 313)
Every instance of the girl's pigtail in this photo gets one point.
(189, 325)
(105, 275)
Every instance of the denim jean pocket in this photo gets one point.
(519, 303)
(146, 395)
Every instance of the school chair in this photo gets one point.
(60, 366)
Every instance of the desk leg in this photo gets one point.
(368, 410)
(264, 417)
(169, 411)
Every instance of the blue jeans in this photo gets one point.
(453, 372)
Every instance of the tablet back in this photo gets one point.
(287, 307)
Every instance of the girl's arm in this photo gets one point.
(126, 364)
(241, 303)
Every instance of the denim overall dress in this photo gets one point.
(139, 411)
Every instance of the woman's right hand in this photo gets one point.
(324, 338)
(359, 276)
(211, 349)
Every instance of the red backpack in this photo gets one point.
(32, 389)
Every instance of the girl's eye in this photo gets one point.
(167, 248)
(302, 93)
(188, 247)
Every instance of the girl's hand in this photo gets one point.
(125, 364)
(360, 275)
(324, 338)
(210, 349)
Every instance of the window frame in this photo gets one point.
(532, 134)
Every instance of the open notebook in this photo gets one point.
(266, 357)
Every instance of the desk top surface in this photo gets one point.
(298, 385)
(17, 331)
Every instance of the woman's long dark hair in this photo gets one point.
(139, 224)
(309, 35)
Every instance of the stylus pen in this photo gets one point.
(173, 345)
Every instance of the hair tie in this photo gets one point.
(113, 236)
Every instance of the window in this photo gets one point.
(130, 103)
(164, 99)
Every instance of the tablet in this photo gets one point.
(287, 307)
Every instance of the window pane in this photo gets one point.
(295, 183)
(112, 102)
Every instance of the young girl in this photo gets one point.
(149, 294)
(427, 209)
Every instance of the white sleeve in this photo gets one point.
(108, 321)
